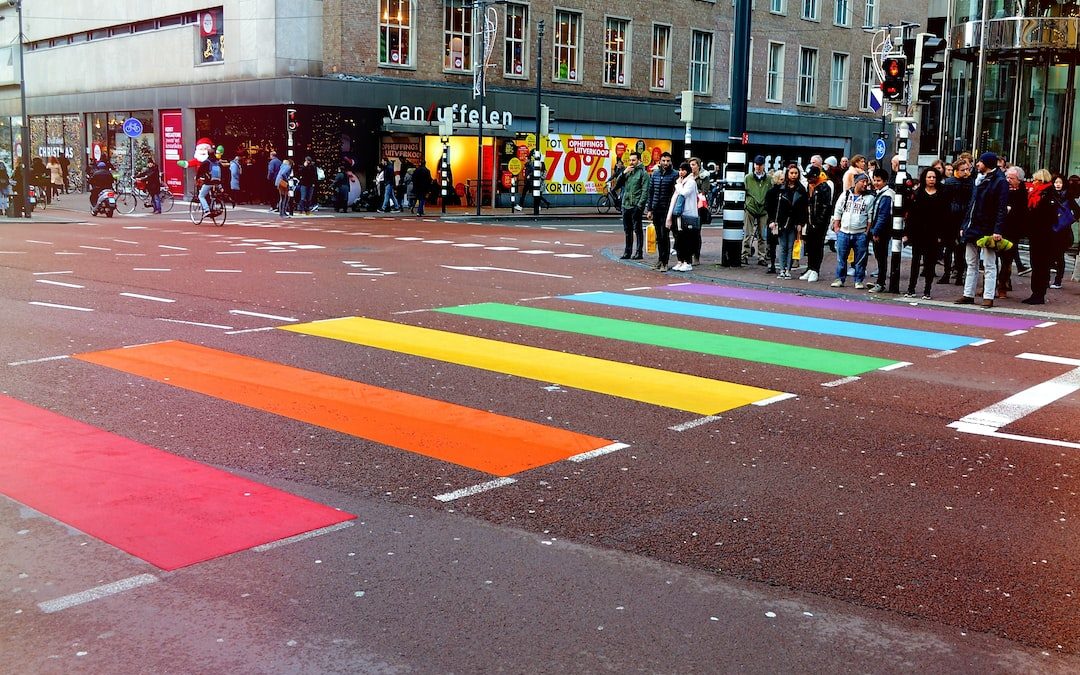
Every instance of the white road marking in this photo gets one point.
(308, 247)
(96, 593)
(95, 248)
(230, 252)
(469, 245)
(139, 296)
(290, 272)
(436, 241)
(172, 248)
(1049, 359)
(612, 447)
(980, 343)
(63, 272)
(411, 311)
(251, 330)
(894, 366)
(229, 271)
(500, 248)
(151, 269)
(774, 399)
(58, 283)
(504, 269)
(35, 241)
(475, 489)
(262, 316)
(944, 352)
(534, 252)
(695, 423)
(49, 304)
(1046, 324)
(408, 238)
(141, 227)
(572, 255)
(1015, 332)
(980, 430)
(125, 241)
(1004, 413)
(196, 323)
(638, 288)
(843, 380)
(306, 535)
(68, 253)
(41, 360)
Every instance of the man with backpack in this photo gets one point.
(208, 175)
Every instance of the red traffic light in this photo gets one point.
(895, 69)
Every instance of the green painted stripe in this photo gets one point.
(729, 346)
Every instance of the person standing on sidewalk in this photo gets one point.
(925, 226)
(881, 226)
(1042, 209)
(681, 218)
(1015, 224)
(1062, 237)
(309, 178)
(701, 177)
(421, 180)
(273, 168)
(985, 218)
(634, 198)
(756, 218)
(850, 222)
(661, 190)
(958, 187)
(788, 216)
(821, 208)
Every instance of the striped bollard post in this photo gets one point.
(537, 183)
(896, 245)
(734, 209)
(513, 193)
(444, 165)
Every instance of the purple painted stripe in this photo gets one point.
(983, 320)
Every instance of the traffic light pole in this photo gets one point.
(735, 166)
(897, 244)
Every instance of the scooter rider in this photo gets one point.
(101, 179)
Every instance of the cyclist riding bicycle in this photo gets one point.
(208, 176)
(151, 174)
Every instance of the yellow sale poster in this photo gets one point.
(579, 164)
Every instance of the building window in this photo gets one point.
(457, 36)
(774, 78)
(807, 76)
(395, 32)
(516, 46)
(661, 57)
(211, 37)
(842, 13)
(869, 81)
(567, 63)
(616, 48)
(778, 6)
(701, 62)
(870, 16)
(810, 9)
(838, 81)
(749, 67)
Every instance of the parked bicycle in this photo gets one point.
(215, 200)
(609, 201)
(129, 199)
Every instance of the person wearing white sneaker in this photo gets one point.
(850, 224)
(812, 277)
(682, 218)
(821, 207)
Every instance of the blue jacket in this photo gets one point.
(661, 189)
(882, 223)
(988, 208)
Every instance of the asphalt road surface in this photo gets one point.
(348, 444)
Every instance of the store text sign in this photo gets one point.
(172, 147)
(459, 114)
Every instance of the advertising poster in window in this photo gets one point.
(582, 164)
(211, 37)
(172, 150)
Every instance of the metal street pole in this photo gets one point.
(25, 132)
(481, 21)
(536, 141)
(735, 165)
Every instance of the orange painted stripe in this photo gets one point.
(480, 440)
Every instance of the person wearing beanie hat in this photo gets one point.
(985, 218)
(831, 161)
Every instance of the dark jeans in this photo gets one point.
(1040, 254)
(814, 247)
(631, 224)
(1005, 260)
(955, 261)
(687, 240)
(663, 236)
(924, 256)
(881, 255)
(1059, 243)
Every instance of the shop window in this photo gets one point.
(616, 51)
(395, 32)
(661, 58)
(838, 81)
(567, 62)
(211, 37)
(701, 62)
(457, 35)
(516, 46)
(808, 61)
(774, 78)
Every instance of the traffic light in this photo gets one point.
(892, 88)
(685, 109)
(545, 120)
(290, 119)
(924, 83)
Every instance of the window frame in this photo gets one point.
(664, 58)
(575, 48)
(815, 14)
(524, 42)
(778, 73)
(842, 81)
(845, 20)
(410, 29)
(811, 77)
(869, 79)
(778, 7)
(870, 12)
(626, 54)
(466, 34)
(708, 63)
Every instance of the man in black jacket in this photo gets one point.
(959, 187)
(985, 218)
(421, 181)
(661, 189)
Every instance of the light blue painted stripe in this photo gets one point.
(849, 329)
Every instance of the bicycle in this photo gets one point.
(215, 201)
(609, 201)
(129, 199)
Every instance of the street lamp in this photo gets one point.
(482, 7)
(24, 133)
(536, 143)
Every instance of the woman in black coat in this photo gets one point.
(790, 212)
(926, 229)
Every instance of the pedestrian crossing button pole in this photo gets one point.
(446, 130)
(903, 130)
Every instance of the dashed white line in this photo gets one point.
(49, 304)
(638, 288)
(1015, 332)
(154, 298)
(251, 330)
(290, 272)
(300, 537)
(96, 593)
(475, 489)
(1049, 359)
(980, 343)
(894, 366)
(944, 352)
(262, 316)
(58, 283)
(775, 399)
(95, 248)
(151, 269)
(843, 380)
(41, 360)
(224, 271)
(1046, 324)
(61, 272)
(598, 452)
(695, 423)
(35, 241)
(196, 323)
(172, 248)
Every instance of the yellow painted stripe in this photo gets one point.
(637, 383)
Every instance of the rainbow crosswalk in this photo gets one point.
(501, 445)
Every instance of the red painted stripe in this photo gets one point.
(167, 510)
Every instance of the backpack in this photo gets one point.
(215, 171)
